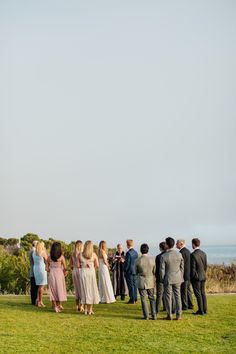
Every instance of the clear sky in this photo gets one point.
(118, 119)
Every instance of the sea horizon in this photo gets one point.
(216, 254)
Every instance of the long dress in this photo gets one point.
(88, 282)
(105, 287)
(118, 277)
(75, 278)
(56, 282)
(40, 273)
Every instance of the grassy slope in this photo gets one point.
(115, 328)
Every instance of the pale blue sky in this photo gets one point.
(118, 119)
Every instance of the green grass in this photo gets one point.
(115, 328)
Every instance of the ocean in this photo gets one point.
(215, 254)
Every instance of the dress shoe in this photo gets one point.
(167, 318)
(198, 313)
(178, 318)
(130, 302)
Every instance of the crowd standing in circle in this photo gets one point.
(169, 275)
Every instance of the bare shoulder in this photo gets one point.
(61, 259)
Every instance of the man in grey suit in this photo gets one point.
(172, 271)
(145, 272)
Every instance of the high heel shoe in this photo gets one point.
(91, 313)
(85, 312)
(81, 309)
(56, 309)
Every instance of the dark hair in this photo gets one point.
(56, 251)
(144, 248)
(170, 242)
(162, 246)
(196, 242)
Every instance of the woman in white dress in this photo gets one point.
(105, 286)
(88, 261)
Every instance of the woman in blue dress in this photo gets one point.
(40, 274)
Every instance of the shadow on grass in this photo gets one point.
(116, 311)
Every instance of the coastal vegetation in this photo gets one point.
(14, 267)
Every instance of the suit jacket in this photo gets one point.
(172, 268)
(145, 271)
(186, 254)
(198, 265)
(158, 270)
(130, 258)
(31, 270)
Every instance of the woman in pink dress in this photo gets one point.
(75, 267)
(56, 266)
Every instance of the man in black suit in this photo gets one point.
(159, 284)
(130, 271)
(198, 276)
(186, 295)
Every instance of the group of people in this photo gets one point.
(170, 273)
(83, 263)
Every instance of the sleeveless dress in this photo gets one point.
(88, 282)
(105, 286)
(56, 282)
(75, 278)
(40, 273)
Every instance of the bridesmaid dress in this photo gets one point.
(88, 282)
(105, 286)
(75, 278)
(40, 273)
(56, 282)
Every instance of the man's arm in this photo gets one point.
(127, 262)
(162, 269)
(182, 265)
(205, 262)
(136, 266)
(193, 267)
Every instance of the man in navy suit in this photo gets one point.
(129, 270)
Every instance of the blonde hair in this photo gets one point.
(181, 241)
(34, 243)
(102, 247)
(40, 248)
(88, 250)
(78, 248)
(130, 243)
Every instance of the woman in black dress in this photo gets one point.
(118, 278)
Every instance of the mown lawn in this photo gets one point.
(115, 328)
